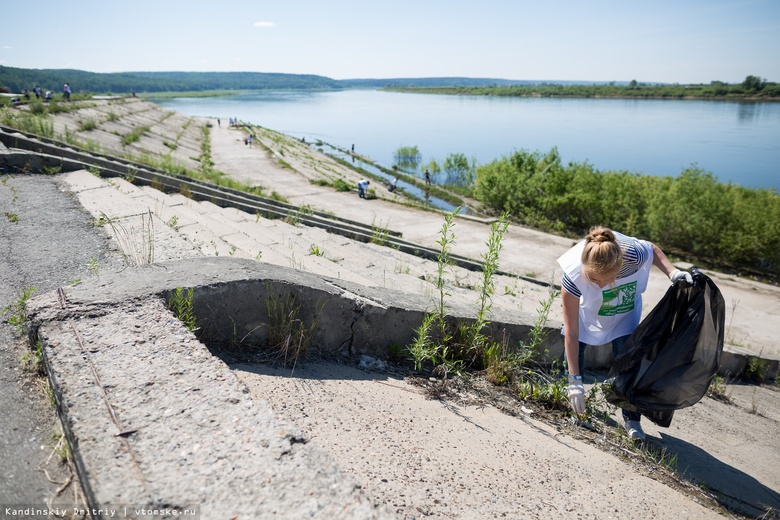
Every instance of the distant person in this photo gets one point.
(353, 148)
(393, 184)
(604, 277)
(37, 92)
(219, 123)
(66, 91)
(48, 95)
(26, 94)
(427, 175)
(363, 188)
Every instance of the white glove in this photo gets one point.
(676, 275)
(576, 394)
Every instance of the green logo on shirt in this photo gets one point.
(618, 300)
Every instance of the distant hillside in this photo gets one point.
(15, 79)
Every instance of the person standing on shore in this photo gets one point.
(604, 277)
(66, 91)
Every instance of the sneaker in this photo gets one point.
(634, 430)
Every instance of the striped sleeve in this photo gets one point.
(635, 254)
(567, 284)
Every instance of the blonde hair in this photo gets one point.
(602, 254)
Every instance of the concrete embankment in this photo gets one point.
(154, 418)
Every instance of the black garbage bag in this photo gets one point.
(674, 353)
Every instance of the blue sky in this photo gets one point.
(681, 41)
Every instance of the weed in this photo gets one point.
(315, 250)
(422, 349)
(293, 218)
(289, 337)
(157, 184)
(12, 217)
(173, 221)
(32, 361)
(397, 353)
(285, 164)
(135, 134)
(91, 146)
(476, 339)
(275, 196)
(136, 246)
(16, 311)
(51, 170)
(549, 392)
(33, 123)
(88, 125)
(719, 389)
(663, 457)
(379, 233)
(61, 448)
(182, 304)
(428, 347)
(341, 185)
(499, 363)
(93, 266)
(756, 369)
(320, 182)
(754, 402)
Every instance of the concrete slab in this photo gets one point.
(157, 422)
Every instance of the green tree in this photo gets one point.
(754, 83)
(458, 170)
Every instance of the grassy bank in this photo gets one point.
(752, 89)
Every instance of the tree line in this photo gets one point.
(15, 80)
(753, 87)
(693, 215)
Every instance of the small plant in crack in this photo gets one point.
(289, 335)
(181, 302)
(16, 311)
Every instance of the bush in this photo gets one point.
(720, 224)
(341, 185)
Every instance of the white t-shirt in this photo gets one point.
(616, 310)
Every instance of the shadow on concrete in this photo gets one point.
(732, 487)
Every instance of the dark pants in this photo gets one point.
(617, 346)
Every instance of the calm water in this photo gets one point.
(737, 142)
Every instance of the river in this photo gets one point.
(737, 142)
